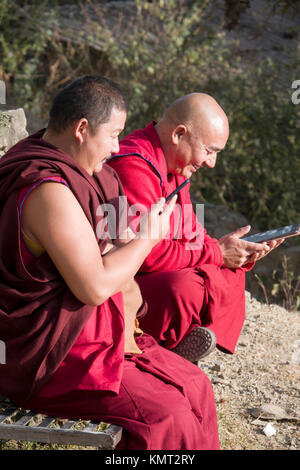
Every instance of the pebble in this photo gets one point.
(296, 357)
(269, 430)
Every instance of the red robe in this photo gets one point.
(67, 359)
(182, 279)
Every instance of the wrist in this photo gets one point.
(143, 244)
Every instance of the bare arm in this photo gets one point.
(54, 218)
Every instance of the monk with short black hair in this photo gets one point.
(69, 306)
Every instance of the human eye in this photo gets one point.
(212, 151)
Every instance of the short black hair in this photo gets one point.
(92, 97)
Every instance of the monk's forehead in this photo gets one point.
(196, 110)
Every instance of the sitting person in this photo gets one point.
(68, 301)
(199, 281)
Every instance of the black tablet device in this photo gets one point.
(274, 234)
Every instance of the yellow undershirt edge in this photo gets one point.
(36, 249)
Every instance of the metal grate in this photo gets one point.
(26, 425)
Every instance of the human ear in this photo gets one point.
(80, 130)
(178, 132)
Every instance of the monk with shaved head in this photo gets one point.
(194, 284)
(192, 131)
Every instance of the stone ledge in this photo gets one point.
(12, 127)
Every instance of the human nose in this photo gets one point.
(210, 162)
(116, 146)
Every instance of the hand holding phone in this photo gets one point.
(274, 234)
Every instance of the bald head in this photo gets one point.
(199, 112)
(194, 120)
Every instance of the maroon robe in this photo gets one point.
(36, 306)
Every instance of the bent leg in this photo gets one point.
(165, 403)
(175, 300)
(180, 300)
(194, 386)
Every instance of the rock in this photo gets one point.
(296, 357)
(220, 380)
(12, 128)
(269, 430)
(218, 220)
(243, 341)
(296, 354)
(271, 411)
(216, 366)
(34, 124)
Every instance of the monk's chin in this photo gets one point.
(186, 172)
(98, 167)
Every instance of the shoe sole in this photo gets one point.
(197, 345)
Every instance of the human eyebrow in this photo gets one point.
(215, 149)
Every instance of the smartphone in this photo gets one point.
(275, 234)
(177, 190)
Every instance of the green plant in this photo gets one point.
(255, 175)
(159, 51)
(287, 285)
(35, 59)
(263, 288)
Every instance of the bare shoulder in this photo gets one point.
(51, 207)
(54, 219)
(48, 198)
(51, 192)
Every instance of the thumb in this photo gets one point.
(158, 205)
(160, 202)
(240, 232)
(169, 207)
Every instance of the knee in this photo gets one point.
(186, 282)
(132, 297)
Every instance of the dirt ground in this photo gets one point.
(264, 369)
